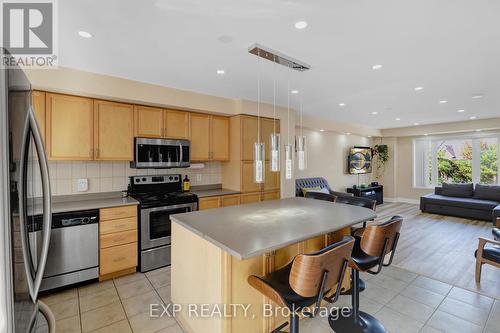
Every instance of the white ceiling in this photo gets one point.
(450, 47)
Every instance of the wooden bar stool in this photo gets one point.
(369, 252)
(306, 280)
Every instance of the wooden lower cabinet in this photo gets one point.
(208, 203)
(250, 197)
(118, 247)
(230, 200)
(272, 195)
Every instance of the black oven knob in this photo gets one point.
(143, 179)
(137, 180)
(85, 220)
(170, 177)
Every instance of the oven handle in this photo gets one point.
(193, 207)
(180, 153)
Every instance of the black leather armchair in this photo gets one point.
(488, 252)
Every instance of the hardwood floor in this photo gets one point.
(442, 247)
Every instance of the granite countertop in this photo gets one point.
(250, 230)
(71, 203)
(214, 192)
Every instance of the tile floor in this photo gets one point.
(403, 301)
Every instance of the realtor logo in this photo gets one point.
(29, 32)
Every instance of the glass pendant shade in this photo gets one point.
(258, 162)
(288, 161)
(300, 143)
(275, 152)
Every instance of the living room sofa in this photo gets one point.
(480, 202)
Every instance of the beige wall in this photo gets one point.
(327, 157)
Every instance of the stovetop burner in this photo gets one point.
(157, 191)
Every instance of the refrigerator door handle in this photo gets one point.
(47, 202)
(22, 187)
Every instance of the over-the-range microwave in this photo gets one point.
(160, 153)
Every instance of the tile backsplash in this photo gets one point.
(113, 176)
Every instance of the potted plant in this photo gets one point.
(380, 158)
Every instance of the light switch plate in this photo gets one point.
(198, 177)
(83, 185)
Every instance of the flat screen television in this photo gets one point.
(360, 160)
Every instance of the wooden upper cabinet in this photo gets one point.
(114, 131)
(176, 124)
(38, 103)
(249, 128)
(149, 122)
(219, 138)
(247, 178)
(267, 127)
(200, 137)
(69, 127)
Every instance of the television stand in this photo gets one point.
(372, 192)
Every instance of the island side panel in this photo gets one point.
(198, 277)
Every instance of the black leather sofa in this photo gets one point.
(481, 202)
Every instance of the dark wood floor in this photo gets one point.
(441, 247)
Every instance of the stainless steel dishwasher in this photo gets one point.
(74, 248)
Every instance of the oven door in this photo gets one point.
(156, 227)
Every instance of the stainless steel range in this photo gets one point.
(159, 197)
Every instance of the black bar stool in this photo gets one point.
(357, 232)
(306, 280)
(321, 196)
(369, 252)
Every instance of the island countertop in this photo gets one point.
(250, 230)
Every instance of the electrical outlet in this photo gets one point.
(83, 185)
(198, 178)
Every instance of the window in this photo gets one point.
(457, 160)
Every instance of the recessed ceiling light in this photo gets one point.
(301, 24)
(374, 112)
(378, 66)
(473, 117)
(369, 136)
(477, 96)
(341, 104)
(416, 124)
(221, 72)
(85, 34)
(348, 133)
(426, 134)
(321, 130)
(419, 88)
(461, 111)
(398, 119)
(295, 92)
(443, 102)
(478, 130)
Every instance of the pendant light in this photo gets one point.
(300, 141)
(288, 146)
(258, 151)
(275, 137)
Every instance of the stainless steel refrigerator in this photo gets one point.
(26, 192)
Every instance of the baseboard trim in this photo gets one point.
(403, 200)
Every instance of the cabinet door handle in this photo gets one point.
(97, 153)
(91, 153)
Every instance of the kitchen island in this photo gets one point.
(214, 251)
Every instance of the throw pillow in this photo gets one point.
(458, 190)
(487, 192)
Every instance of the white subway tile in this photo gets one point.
(79, 170)
(94, 185)
(106, 184)
(64, 186)
(63, 170)
(119, 184)
(93, 169)
(52, 169)
(106, 169)
(118, 169)
(53, 186)
(130, 171)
